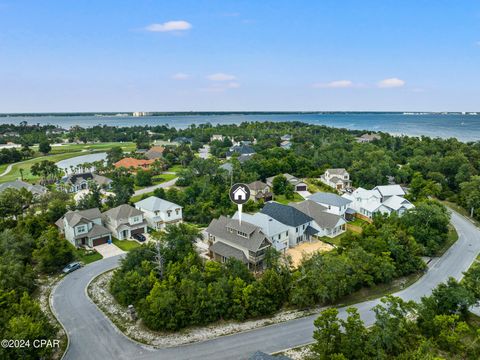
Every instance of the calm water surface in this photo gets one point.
(462, 127)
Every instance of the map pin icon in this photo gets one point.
(239, 194)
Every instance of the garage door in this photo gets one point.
(137, 231)
(99, 241)
(301, 188)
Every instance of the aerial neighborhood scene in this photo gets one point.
(239, 180)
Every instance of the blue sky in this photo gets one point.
(239, 55)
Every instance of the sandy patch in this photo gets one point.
(306, 249)
(99, 293)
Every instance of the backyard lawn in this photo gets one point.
(126, 245)
(283, 200)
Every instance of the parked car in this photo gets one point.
(71, 267)
(139, 237)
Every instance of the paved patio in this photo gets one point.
(306, 249)
(108, 250)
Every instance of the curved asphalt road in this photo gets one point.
(92, 335)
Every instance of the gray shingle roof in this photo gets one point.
(122, 212)
(228, 251)
(257, 185)
(337, 171)
(329, 199)
(220, 229)
(76, 217)
(285, 214)
(318, 212)
(96, 230)
(18, 184)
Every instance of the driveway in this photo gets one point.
(109, 250)
(93, 336)
(305, 194)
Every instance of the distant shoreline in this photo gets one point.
(223, 113)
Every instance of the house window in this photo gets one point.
(242, 234)
(169, 212)
(136, 219)
(156, 212)
(296, 230)
(177, 211)
(81, 229)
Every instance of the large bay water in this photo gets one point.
(465, 127)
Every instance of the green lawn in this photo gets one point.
(334, 241)
(126, 245)
(59, 153)
(359, 222)
(176, 168)
(87, 256)
(315, 185)
(283, 200)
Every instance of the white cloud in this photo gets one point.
(337, 84)
(180, 76)
(233, 85)
(391, 83)
(221, 77)
(176, 25)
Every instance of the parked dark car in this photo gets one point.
(71, 267)
(139, 237)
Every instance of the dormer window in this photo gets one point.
(242, 234)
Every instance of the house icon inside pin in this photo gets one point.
(240, 194)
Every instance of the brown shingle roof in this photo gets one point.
(135, 163)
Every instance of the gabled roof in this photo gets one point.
(155, 152)
(75, 179)
(124, 211)
(225, 228)
(154, 203)
(318, 212)
(390, 190)
(337, 171)
(241, 150)
(285, 214)
(329, 199)
(18, 184)
(74, 218)
(257, 185)
(227, 166)
(396, 202)
(269, 225)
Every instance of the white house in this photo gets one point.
(160, 213)
(124, 221)
(299, 224)
(368, 202)
(334, 203)
(326, 223)
(275, 230)
(84, 227)
(338, 179)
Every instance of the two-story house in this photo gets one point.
(326, 223)
(75, 182)
(299, 224)
(84, 228)
(276, 232)
(124, 221)
(260, 191)
(339, 179)
(159, 212)
(381, 199)
(334, 203)
(243, 241)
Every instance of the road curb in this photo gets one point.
(52, 310)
